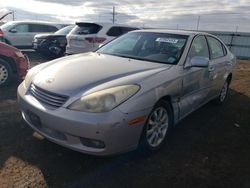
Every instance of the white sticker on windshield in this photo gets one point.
(168, 40)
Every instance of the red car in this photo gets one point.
(13, 64)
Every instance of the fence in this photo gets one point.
(238, 43)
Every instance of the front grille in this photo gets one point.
(48, 98)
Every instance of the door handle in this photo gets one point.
(211, 68)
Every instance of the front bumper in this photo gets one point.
(66, 127)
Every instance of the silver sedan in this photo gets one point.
(128, 93)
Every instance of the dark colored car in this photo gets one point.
(13, 64)
(52, 45)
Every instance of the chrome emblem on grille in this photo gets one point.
(50, 80)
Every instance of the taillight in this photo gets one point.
(95, 39)
(1, 32)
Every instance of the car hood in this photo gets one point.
(77, 73)
(47, 35)
(43, 35)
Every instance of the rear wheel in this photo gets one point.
(223, 93)
(5, 73)
(157, 126)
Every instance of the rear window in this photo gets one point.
(86, 28)
(117, 31)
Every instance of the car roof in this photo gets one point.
(179, 32)
(106, 24)
(35, 22)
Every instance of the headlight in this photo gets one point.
(105, 100)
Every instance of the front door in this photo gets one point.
(196, 81)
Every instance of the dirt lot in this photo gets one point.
(209, 148)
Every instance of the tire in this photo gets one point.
(223, 93)
(157, 127)
(5, 73)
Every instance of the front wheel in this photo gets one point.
(5, 73)
(157, 126)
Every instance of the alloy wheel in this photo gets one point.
(224, 90)
(157, 127)
(3, 74)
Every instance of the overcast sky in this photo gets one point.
(174, 14)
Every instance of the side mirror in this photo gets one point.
(13, 30)
(198, 61)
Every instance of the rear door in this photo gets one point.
(196, 82)
(19, 35)
(217, 64)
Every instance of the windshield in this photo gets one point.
(156, 47)
(65, 30)
(7, 26)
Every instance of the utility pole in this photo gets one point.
(113, 20)
(13, 15)
(198, 23)
(236, 30)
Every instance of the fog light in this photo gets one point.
(92, 143)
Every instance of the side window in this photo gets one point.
(38, 28)
(199, 48)
(22, 28)
(216, 48)
(114, 32)
(35, 28)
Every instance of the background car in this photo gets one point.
(85, 37)
(52, 44)
(13, 64)
(131, 92)
(21, 33)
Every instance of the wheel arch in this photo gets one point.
(174, 107)
(229, 77)
(11, 62)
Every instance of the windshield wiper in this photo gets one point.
(136, 58)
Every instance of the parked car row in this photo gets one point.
(47, 39)
(21, 33)
(50, 39)
(85, 37)
(79, 38)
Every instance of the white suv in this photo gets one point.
(21, 33)
(85, 36)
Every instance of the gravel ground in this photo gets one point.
(209, 148)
